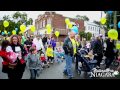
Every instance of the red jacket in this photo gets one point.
(4, 54)
(42, 58)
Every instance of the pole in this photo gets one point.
(115, 20)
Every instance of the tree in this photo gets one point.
(15, 21)
(97, 22)
(85, 18)
(88, 36)
(82, 34)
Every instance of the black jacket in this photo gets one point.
(44, 40)
(68, 47)
(110, 49)
(98, 47)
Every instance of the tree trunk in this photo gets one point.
(115, 20)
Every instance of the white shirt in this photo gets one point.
(38, 43)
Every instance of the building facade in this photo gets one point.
(57, 21)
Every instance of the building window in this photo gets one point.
(40, 24)
(49, 21)
(43, 23)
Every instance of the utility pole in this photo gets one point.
(115, 20)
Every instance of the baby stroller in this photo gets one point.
(59, 55)
(44, 60)
(85, 64)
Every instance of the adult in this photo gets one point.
(18, 71)
(44, 40)
(92, 43)
(98, 50)
(69, 47)
(38, 42)
(109, 53)
(13, 69)
(53, 43)
(28, 43)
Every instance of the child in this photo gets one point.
(43, 59)
(34, 63)
(49, 53)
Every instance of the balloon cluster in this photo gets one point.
(73, 28)
(22, 28)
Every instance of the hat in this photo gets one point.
(33, 45)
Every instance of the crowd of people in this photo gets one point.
(36, 53)
(39, 51)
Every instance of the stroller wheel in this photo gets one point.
(116, 64)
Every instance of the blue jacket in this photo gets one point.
(53, 43)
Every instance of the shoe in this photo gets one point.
(51, 62)
(65, 73)
(70, 78)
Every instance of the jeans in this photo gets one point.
(34, 73)
(68, 67)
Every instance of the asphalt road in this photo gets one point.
(55, 71)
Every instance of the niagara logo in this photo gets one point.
(103, 73)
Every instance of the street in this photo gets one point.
(54, 72)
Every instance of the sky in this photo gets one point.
(92, 15)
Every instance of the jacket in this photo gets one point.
(110, 49)
(49, 52)
(98, 48)
(68, 47)
(33, 61)
(53, 43)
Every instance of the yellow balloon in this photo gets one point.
(22, 28)
(113, 34)
(49, 31)
(6, 23)
(48, 26)
(32, 28)
(57, 33)
(8, 38)
(70, 25)
(5, 32)
(103, 20)
(117, 45)
(67, 21)
(13, 32)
